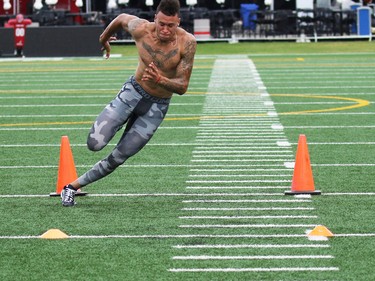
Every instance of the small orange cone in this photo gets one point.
(303, 181)
(320, 230)
(54, 234)
(67, 170)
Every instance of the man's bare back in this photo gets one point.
(166, 52)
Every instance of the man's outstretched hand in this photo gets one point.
(107, 47)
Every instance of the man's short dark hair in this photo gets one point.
(169, 7)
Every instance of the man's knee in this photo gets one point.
(94, 144)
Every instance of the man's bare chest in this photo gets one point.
(164, 57)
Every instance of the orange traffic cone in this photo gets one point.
(303, 181)
(320, 230)
(67, 170)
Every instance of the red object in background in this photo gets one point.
(19, 25)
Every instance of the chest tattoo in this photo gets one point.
(159, 57)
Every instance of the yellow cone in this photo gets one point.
(321, 230)
(54, 234)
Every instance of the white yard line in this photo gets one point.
(270, 269)
(203, 195)
(237, 187)
(247, 217)
(233, 226)
(251, 209)
(185, 236)
(250, 246)
(274, 257)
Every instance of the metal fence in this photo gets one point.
(228, 23)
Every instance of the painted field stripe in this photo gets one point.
(259, 269)
(251, 209)
(161, 236)
(166, 166)
(170, 194)
(331, 127)
(243, 156)
(244, 133)
(247, 201)
(249, 150)
(355, 235)
(202, 195)
(51, 105)
(273, 257)
(237, 187)
(259, 150)
(236, 176)
(239, 160)
(249, 217)
(256, 137)
(245, 225)
(184, 236)
(256, 246)
(170, 118)
(229, 146)
(339, 143)
(151, 144)
(237, 170)
(233, 132)
(236, 181)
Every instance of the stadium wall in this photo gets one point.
(55, 41)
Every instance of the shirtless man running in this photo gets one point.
(166, 56)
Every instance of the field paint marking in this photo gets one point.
(200, 195)
(243, 156)
(184, 236)
(274, 257)
(238, 170)
(256, 246)
(250, 209)
(237, 187)
(242, 152)
(358, 103)
(249, 217)
(247, 201)
(236, 176)
(235, 181)
(186, 166)
(266, 145)
(330, 127)
(287, 166)
(262, 150)
(240, 136)
(259, 269)
(239, 160)
(245, 225)
(167, 236)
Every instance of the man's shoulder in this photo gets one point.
(187, 36)
(140, 27)
(138, 23)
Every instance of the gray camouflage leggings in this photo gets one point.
(142, 114)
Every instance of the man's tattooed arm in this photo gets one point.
(180, 83)
(133, 24)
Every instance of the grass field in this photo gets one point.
(204, 200)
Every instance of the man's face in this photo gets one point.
(19, 18)
(166, 26)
